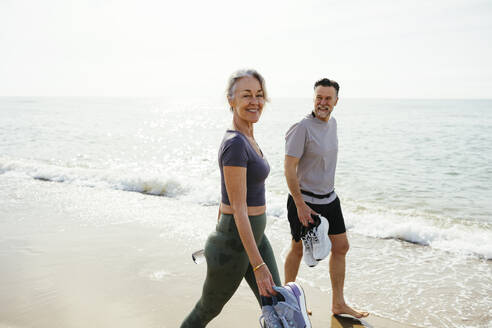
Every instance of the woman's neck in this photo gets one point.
(244, 127)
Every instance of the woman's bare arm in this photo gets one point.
(235, 181)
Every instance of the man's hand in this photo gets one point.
(304, 213)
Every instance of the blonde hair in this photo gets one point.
(239, 74)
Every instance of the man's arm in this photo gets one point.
(303, 211)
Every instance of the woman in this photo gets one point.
(238, 248)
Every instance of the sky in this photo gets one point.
(374, 49)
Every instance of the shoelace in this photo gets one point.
(308, 243)
(272, 317)
(312, 236)
(269, 319)
(286, 323)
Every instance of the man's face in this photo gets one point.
(325, 99)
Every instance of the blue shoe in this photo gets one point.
(301, 301)
(290, 311)
(270, 317)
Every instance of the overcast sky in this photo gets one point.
(381, 48)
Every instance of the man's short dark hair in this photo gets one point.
(327, 83)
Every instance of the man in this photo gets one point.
(310, 161)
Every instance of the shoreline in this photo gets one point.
(126, 276)
(85, 261)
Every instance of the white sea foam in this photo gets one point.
(438, 233)
(127, 180)
(466, 238)
(158, 275)
(455, 237)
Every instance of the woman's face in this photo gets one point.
(248, 99)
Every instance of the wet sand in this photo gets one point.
(57, 271)
(100, 278)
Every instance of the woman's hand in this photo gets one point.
(264, 281)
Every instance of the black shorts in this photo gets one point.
(331, 211)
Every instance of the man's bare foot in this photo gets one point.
(345, 309)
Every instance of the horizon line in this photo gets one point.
(202, 98)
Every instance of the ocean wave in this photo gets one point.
(465, 238)
(130, 180)
(456, 236)
(451, 235)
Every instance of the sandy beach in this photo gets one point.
(90, 263)
(112, 116)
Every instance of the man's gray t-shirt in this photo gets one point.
(315, 143)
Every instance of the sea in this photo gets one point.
(414, 178)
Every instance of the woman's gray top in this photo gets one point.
(236, 150)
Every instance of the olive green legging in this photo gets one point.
(227, 265)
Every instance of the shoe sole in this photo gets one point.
(328, 241)
(299, 292)
(327, 253)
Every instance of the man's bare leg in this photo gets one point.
(339, 249)
(292, 261)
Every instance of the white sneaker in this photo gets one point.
(320, 240)
(307, 249)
